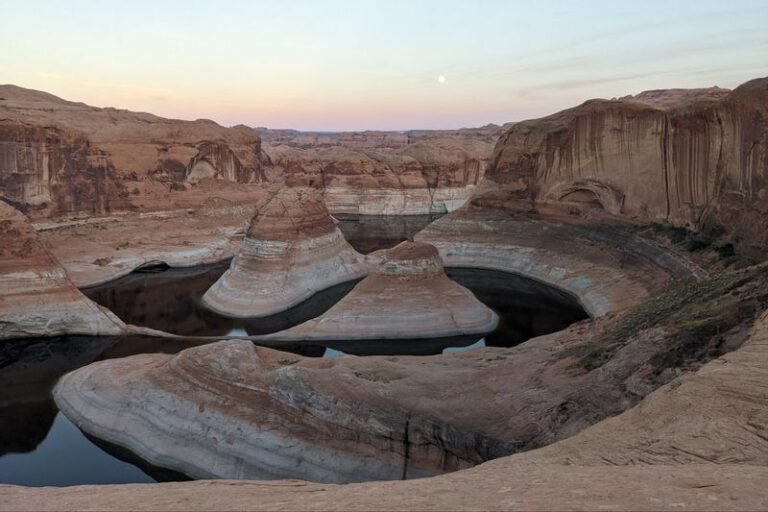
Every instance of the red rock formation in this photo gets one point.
(36, 297)
(60, 157)
(431, 175)
(292, 250)
(407, 297)
(691, 158)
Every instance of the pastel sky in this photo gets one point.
(364, 64)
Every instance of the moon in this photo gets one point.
(441, 79)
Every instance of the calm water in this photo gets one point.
(39, 446)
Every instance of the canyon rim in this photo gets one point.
(563, 309)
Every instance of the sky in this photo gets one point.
(363, 64)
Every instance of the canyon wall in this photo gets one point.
(692, 158)
(414, 172)
(60, 157)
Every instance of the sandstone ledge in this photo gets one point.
(669, 453)
(604, 267)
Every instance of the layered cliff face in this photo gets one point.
(691, 158)
(59, 157)
(384, 172)
(36, 297)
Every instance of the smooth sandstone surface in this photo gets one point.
(604, 267)
(407, 296)
(695, 443)
(292, 250)
(36, 296)
(697, 159)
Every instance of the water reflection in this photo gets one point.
(38, 446)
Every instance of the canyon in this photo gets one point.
(649, 211)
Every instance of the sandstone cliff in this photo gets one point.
(696, 159)
(60, 157)
(413, 172)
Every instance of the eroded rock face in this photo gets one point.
(60, 157)
(408, 296)
(36, 297)
(691, 158)
(428, 175)
(292, 249)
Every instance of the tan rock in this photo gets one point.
(603, 266)
(690, 158)
(707, 425)
(408, 296)
(36, 296)
(60, 157)
(428, 175)
(292, 249)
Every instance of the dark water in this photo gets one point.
(39, 446)
(368, 233)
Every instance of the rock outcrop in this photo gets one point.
(604, 267)
(697, 159)
(408, 296)
(36, 297)
(249, 434)
(331, 419)
(292, 249)
(429, 175)
(59, 157)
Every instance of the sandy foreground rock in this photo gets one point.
(407, 296)
(695, 443)
(36, 296)
(292, 249)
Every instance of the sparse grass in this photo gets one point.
(696, 312)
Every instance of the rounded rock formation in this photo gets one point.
(36, 296)
(292, 250)
(407, 297)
